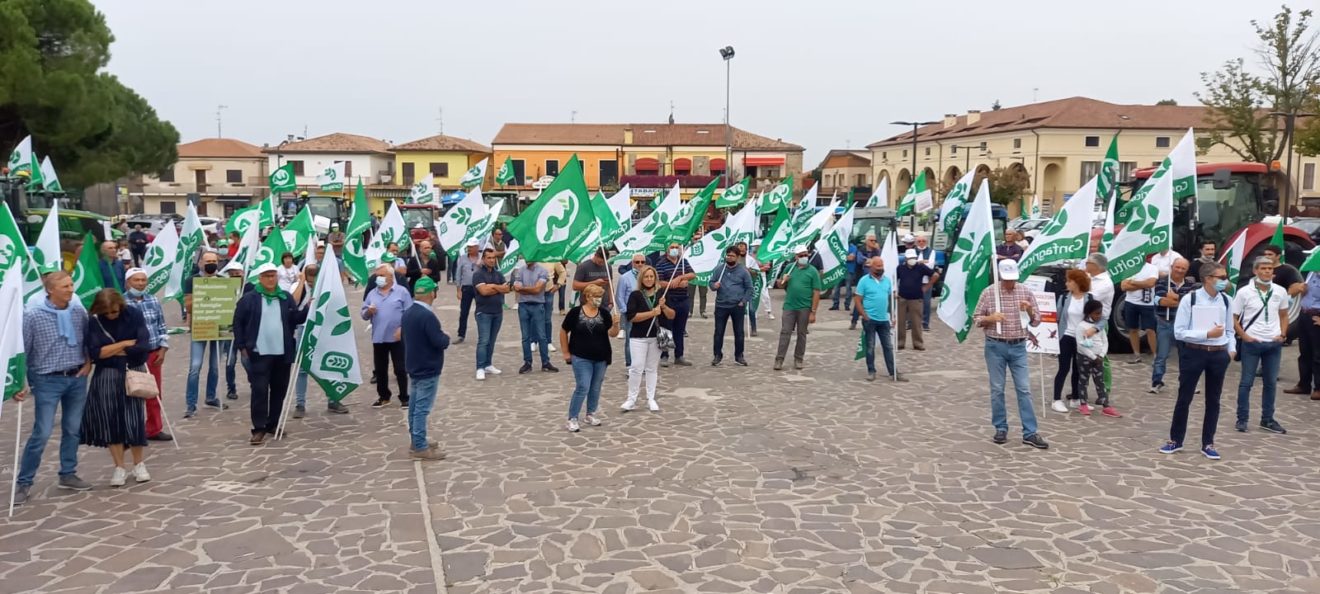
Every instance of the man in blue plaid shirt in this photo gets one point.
(136, 296)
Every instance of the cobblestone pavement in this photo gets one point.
(749, 480)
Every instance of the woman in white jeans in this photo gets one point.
(645, 307)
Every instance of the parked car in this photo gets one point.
(210, 225)
(1030, 228)
(1308, 226)
(153, 223)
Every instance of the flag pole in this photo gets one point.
(161, 400)
(13, 478)
(892, 303)
(1040, 358)
(293, 378)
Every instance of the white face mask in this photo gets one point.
(596, 302)
(803, 261)
(911, 262)
(673, 252)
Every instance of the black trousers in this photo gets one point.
(1308, 352)
(1192, 363)
(268, 376)
(468, 295)
(1067, 364)
(381, 355)
(723, 315)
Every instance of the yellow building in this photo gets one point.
(219, 174)
(446, 158)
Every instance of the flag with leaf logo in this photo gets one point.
(775, 245)
(1068, 234)
(621, 205)
(423, 192)
(392, 230)
(780, 195)
(734, 195)
(917, 199)
(833, 250)
(160, 258)
(299, 232)
(331, 179)
(282, 179)
(14, 252)
(22, 159)
(817, 223)
(510, 259)
(689, 219)
(505, 175)
(653, 232)
(1181, 165)
(880, 197)
(477, 174)
(269, 252)
(191, 240)
(46, 254)
(87, 280)
(460, 221)
(951, 210)
(969, 266)
(260, 215)
(359, 220)
(1232, 259)
(329, 349)
(1149, 229)
(49, 180)
(1106, 185)
(708, 253)
(604, 229)
(11, 331)
(554, 223)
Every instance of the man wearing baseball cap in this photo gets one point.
(263, 332)
(802, 285)
(912, 274)
(424, 355)
(999, 314)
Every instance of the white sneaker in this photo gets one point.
(1059, 406)
(140, 473)
(1073, 402)
(481, 374)
(592, 420)
(491, 369)
(573, 425)
(629, 404)
(553, 349)
(119, 477)
(651, 404)
(772, 316)
(1155, 388)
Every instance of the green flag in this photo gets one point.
(780, 195)
(689, 219)
(861, 346)
(329, 349)
(298, 232)
(1106, 184)
(604, 229)
(272, 249)
(87, 279)
(1277, 240)
(553, 225)
(11, 331)
(1312, 263)
(282, 179)
(14, 252)
(359, 220)
(243, 218)
(917, 199)
(969, 266)
(505, 175)
(774, 246)
(734, 195)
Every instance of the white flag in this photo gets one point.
(453, 227)
(653, 230)
(817, 223)
(191, 241)
(329, 349)
(1232, 259)
(475, 175)
(1068, 234)
(49, 181)
(706, 255)
(969, 269)
(833, 250)
(621, 205)
(11, 330)
(21, 159)
(331, 179)
(880, 197)
(391, 230)
(249, 246)
(889, 253)
(47, 253)
(1147, 231)
(423, 192)
(160, 258)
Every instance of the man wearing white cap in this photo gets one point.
(467, 264)
(263, 332)
(136, 296)
(912, 276)
(998, 313)
(802, 285)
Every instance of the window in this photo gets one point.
(767, 172)
(861, 180)
(884, 156)
(348, 170)
(519, 172)
(440, 169)
(167, 207)
(297, 167)
(1092, 141)
(983, 146)
(953, 150)
(167, 175)
(1127, 170)
(1308, 176)
(552, 167)
(1090, 169)
(904, 153)
(1017, 143)
(408, 171)
(1161, 142)
(927, 151)
(234, 176)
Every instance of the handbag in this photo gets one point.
(664, 338)
(137, 384)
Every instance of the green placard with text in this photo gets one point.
(213, 307)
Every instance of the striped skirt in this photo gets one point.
(111, 416)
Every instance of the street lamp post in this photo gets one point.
(912, 223)
(727, 53)
(966, 151)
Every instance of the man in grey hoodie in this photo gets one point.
(733, 289)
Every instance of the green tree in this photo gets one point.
(1241, 100)
(1166, 102)
(1008, 184)
(51, 86)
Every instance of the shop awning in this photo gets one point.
(717, 164)
(647, 164)
(764, 161)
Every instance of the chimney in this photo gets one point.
(973, 116)
(627, 136)
(950, 120)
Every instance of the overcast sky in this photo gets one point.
(823, 74)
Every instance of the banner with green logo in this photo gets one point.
(1068, 234)
(552, 225)
(282, 179)
(780, 196)
(87, 281)
(1148, 230)
(329, 350)
(969, 266)
(734, 195)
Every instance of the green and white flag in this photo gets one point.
(917, 199)
(282, 179)
(49, 181)
(816, 224)
(706, 255)
(510, 259)
(1232, 259)
(191, 241)
(505, 175)
(11, 331)
(299, 232)
(653, 232)
(460, 222)
(1035, 207)
(554, 223)
(1148, 230)
(779, 196)
(1107, 237)
(1068, 234)
(47, 254)
(621, 205)
(14, 253)
(604, 229)
(880, 197)
(23, 159)
(359, 220)
(331, 179)
(261, 214)
(268, 252)
(87, 280)
(1107, 185)
(249, 245)
(951, 210)
(477, 174)
(329, 349)
(1181, 164)
(1312, 263)
(734, 195)
(392, 229)
(969, 266)
(689, 219)
(423, 192)
(775, 245)
(484, 227)
(160, 258)
(833, 250)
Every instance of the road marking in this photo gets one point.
(437, 564)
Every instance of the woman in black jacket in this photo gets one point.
(116, 340)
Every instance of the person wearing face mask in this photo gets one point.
(1260, 321)
(584, 338)
(263, 333)
(733, 289)
(1202, 324)
(154, 317)
(872, 301)
(529, 281)
(425, 344)
(646, 306)
(208, 265)
(302, 294)
(802, 285)
(1092, 344)
(625, 286)
(384, 307)
(913, 275)
(675, 274)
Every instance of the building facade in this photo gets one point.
(219, 174)
(365, 158)
(445, 157)
(843, 171)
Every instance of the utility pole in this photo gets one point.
(219, 120)
(912, 222)
(727, 54)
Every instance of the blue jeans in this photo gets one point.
(1266, 356)
(488, 329)
(724, 314)
(197, 358)
(1002, 357)
(466, 297)
(421, 395)
(1164, 341)
(881, 329)
(549, 314)
(844, 292)
(588, 375)
(232, 358)
(531, 320)
(49, 392)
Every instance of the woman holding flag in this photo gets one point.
(645, 308)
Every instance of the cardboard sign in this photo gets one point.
(1047, 333)
(213, 304)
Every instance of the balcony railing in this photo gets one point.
(667, 181)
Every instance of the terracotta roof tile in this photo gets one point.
(442, 143)
(643, 135)
(219, 147)
(338, 142)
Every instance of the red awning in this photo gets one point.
(717, 164)
(647, 164)
(763, 161)
(682, 164)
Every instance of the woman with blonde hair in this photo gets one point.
(584, 338)
(117, 340)
(646, 309)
